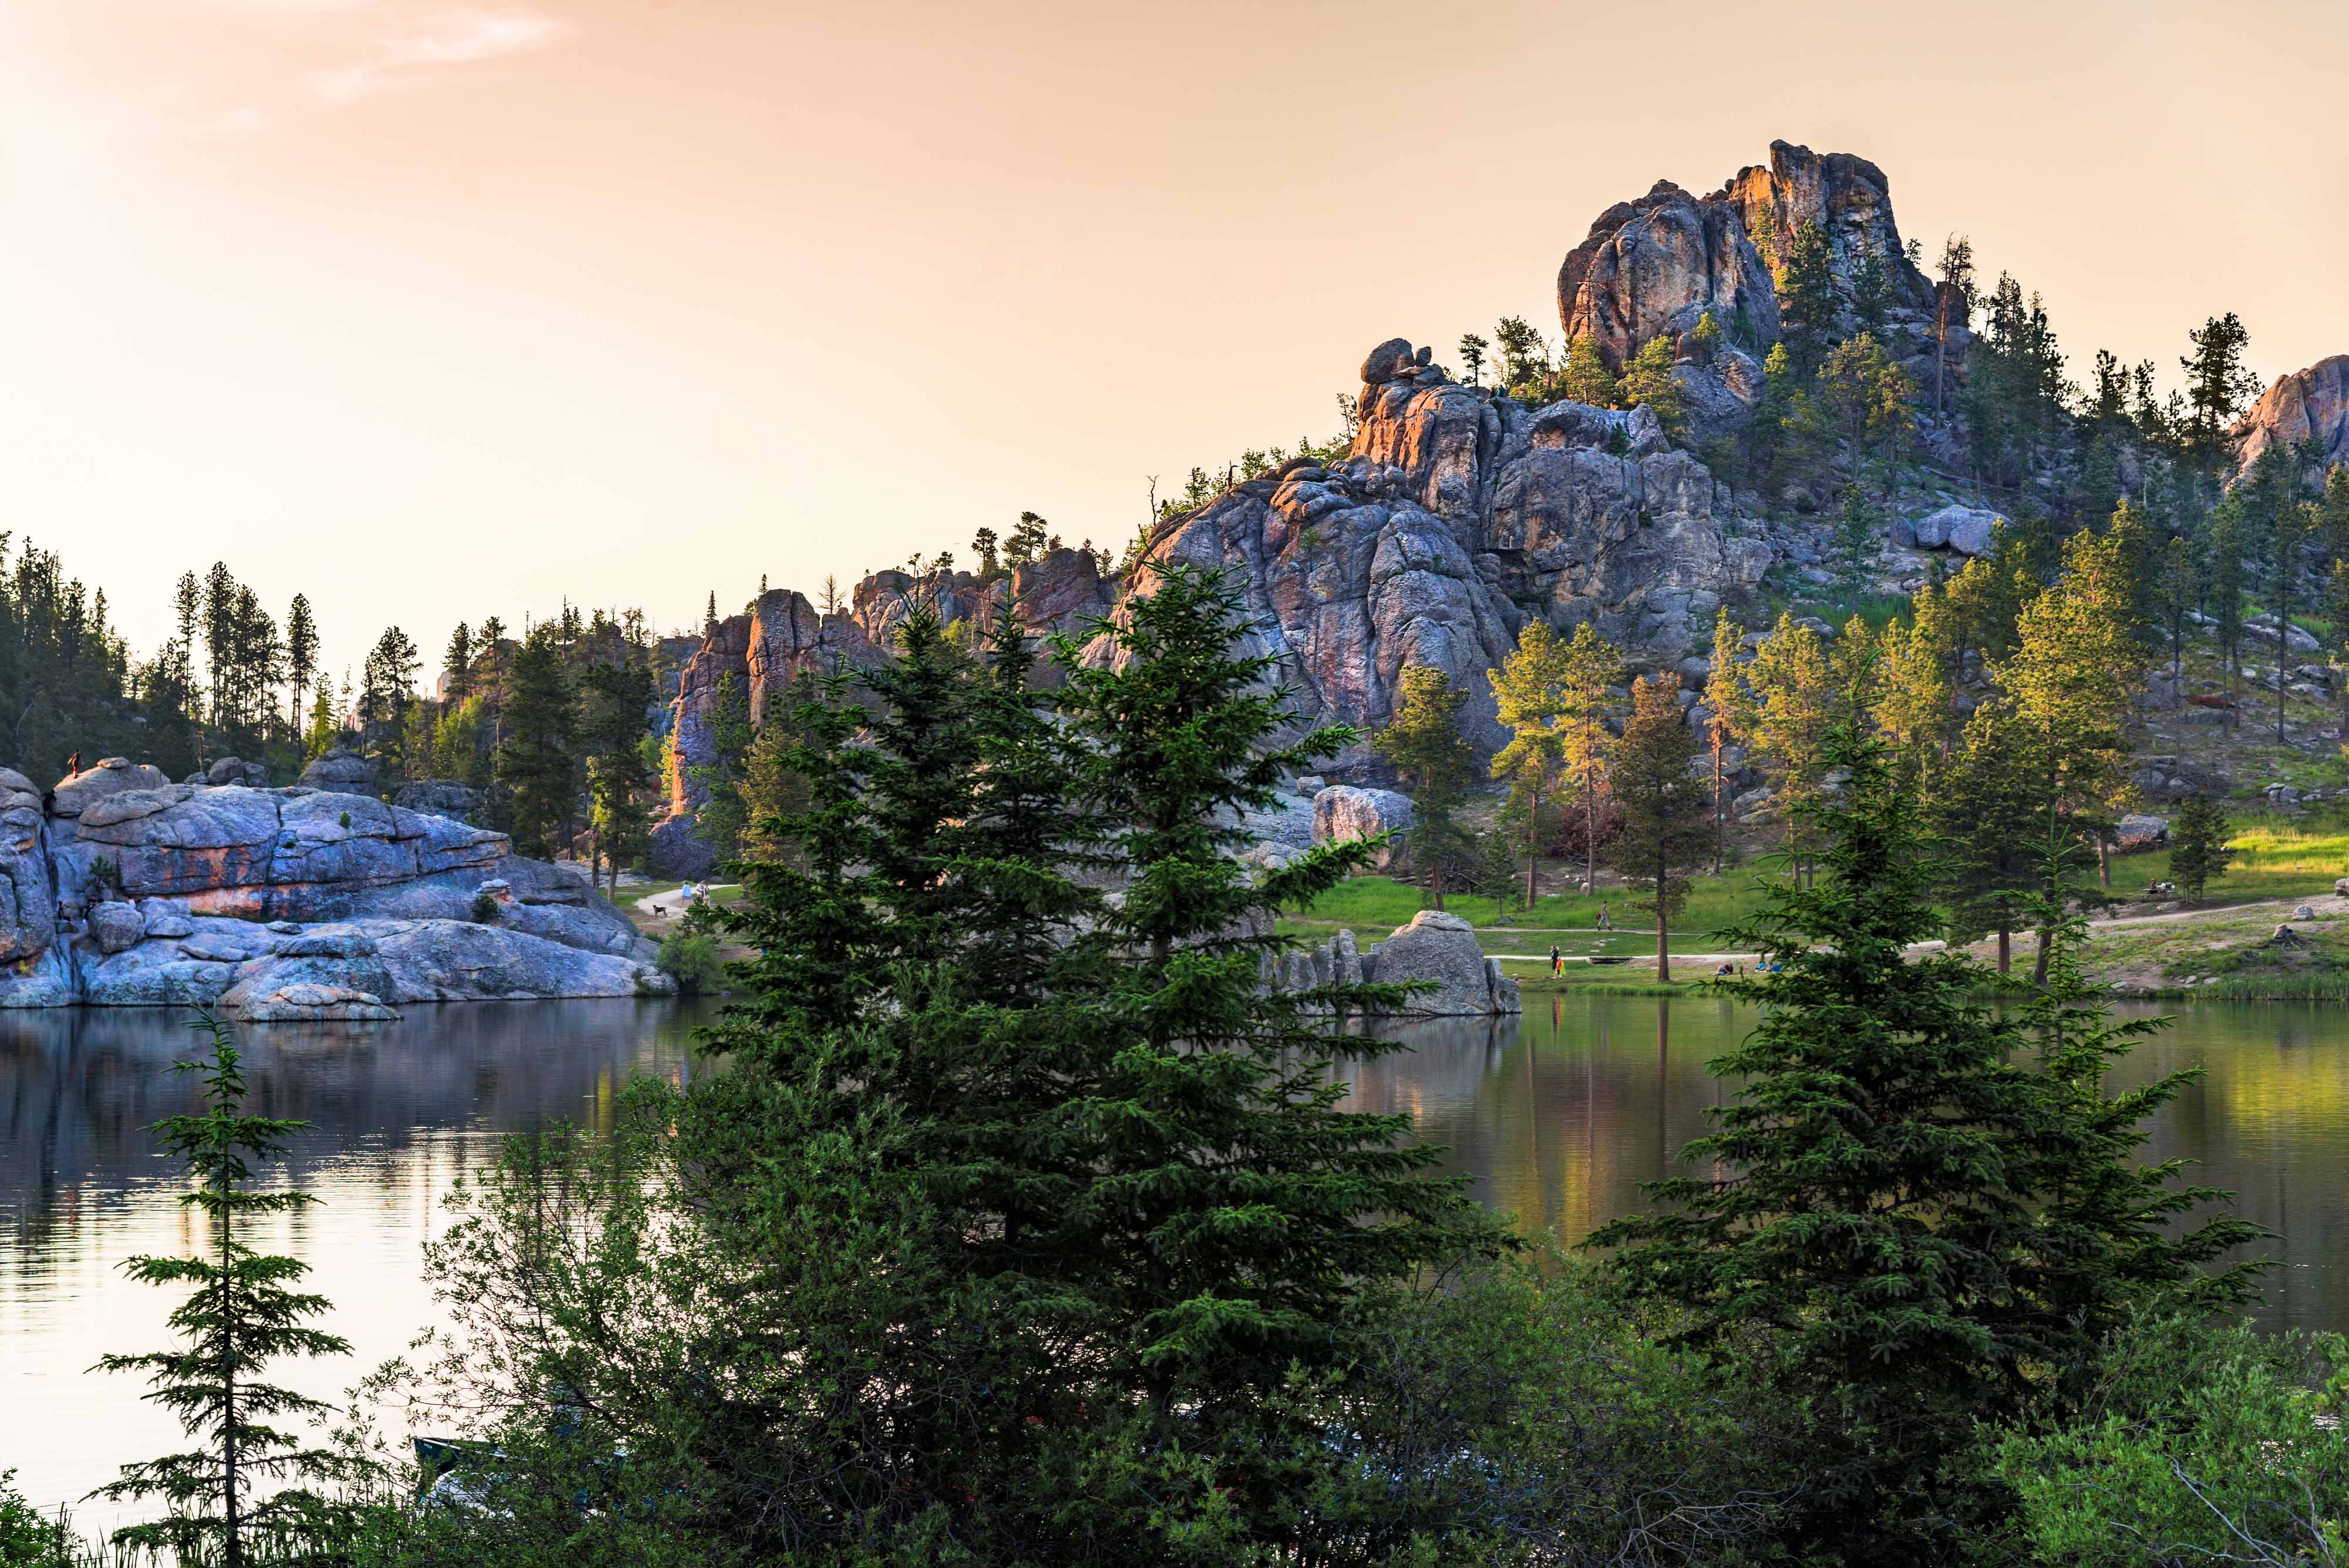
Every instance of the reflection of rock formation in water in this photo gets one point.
(79, 1091)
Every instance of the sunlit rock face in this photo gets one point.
(2308, 407)
(122, 890)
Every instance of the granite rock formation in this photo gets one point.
(1436, 952)
(125, 889)
(1343, 813)
(2310, 405)
(1657, 266)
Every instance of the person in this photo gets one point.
(1604, 923)
(1556, 965)
(73, 765)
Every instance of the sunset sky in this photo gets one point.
(435, 311)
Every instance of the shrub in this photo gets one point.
(2200, 1443)
(26, 1537)
(485, 910)
(690, 958)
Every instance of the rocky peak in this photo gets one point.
(1847, 197)
(2307, 405)
(1658, 264)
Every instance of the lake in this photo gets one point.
(1558, 1116)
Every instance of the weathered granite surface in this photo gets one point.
(131, 891)
(1343, 813)
(2307, 406)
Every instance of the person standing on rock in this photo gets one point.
(73, 765)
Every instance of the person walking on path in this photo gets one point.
(1556, 965)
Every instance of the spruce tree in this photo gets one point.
(1911, 1231)
(1423, 744)
(536, 763)
(2217, 387)
(1585, 378)
(301, 654)
(2199, 851)
(1664, 802)
(241, 1315)
(1987, 804)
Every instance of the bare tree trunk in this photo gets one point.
(1533, 846)
(1720, 826)
(1590, 837)
(1663, 947)
(2103, 860)
(2005, 949)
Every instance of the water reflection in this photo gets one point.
(399, 1112)
(1559, 1118)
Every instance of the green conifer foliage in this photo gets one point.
(1908, 1231)
(239, 1316)
(2199, 851)
(1665, 806)
(536, 763)
(1424, 744)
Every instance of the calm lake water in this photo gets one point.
(1557, 1116)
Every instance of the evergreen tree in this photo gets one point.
(1724, 692)
(2336, 612)
(239, 1316)
(1866, 399)
(1952, 308)
(388, 687)
(1664, 829)
(2198, 850)
(1585, 378)
(1904, 1221)
(301, 653)
(1590, 668)
(2224, 592)
(1792, 705)
(1807, 299)
(2073, 677)
(2218, 386)
(1912, 677)
(1525, 358)
(2181, 587)
(612, 733)
(2289, 529)
(457, 659)
(1987, 805)
(1529, 694)
(321, 732)
(535, 763)
(1423, 744)
(1472, 354)
(1648, 383)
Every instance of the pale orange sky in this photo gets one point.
(436, 310)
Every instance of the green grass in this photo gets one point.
(2275, 858)
(1383, 903)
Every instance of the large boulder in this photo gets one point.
(112, 776)
(235, 771)
(1343, 814)
(440, 797)
(341, 771)
(1441, 951)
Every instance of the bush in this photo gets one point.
(2199, 1443)
(485, 910)
(690, 958)
(27, 1539)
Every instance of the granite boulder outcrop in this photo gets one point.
(126, 889)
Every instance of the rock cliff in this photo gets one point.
(2310, 405)
(121, 888)
(1656, 265)
(1456, 516)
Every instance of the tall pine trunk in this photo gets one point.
(1533, 846)
(1663, 940)
(2005, 949)
(1589, 836)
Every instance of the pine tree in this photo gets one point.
(618, 778)
(1525, 358)
(2336, 612)
(1591, 667)
(2217, 387)
(1585, 378)
(1648, 383)
(1987, 805)
(535, 763)
(1423, 741)
(457, 659)
(1902, 1208)
(1952, 309)
(1472, 354)
(1529, 694)
(1792, 705)
(1866, 400)
(1726, 695)
(1807, 299)
(1664, 829)
(301, 653)
(2073, 677)
(1913, 681)
(2181, 587)
(2224, 592)
(2289, 529)
(239, 1316)
(2200, 853)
